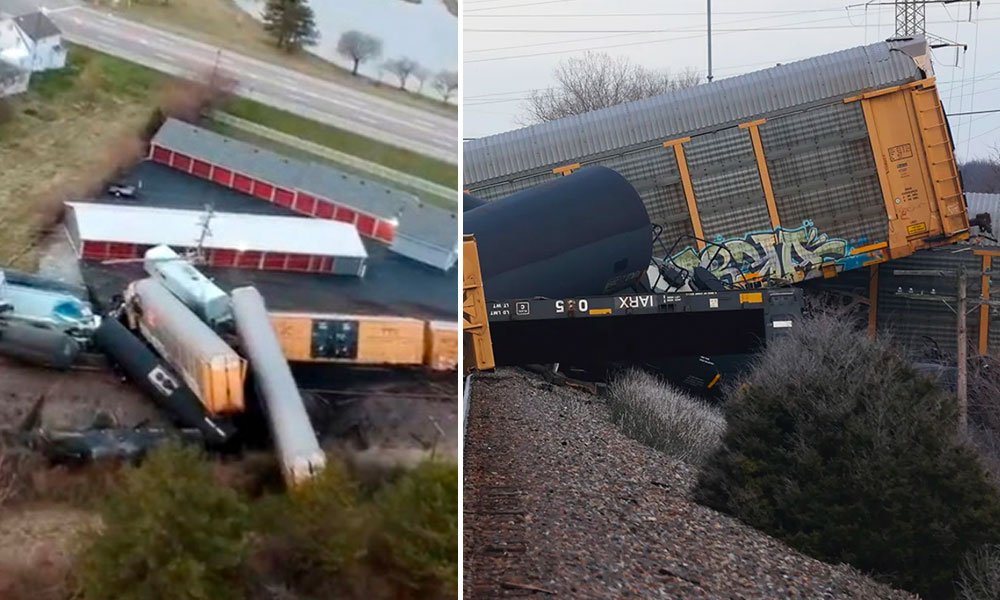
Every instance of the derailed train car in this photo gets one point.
(791, 173)
(294, 438)
(213, 370)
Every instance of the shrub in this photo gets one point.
(980, 576)
(838, 447)
(418, 528)
(169, 532)
(651, 411)
(315, 533)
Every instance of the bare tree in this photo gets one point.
(445, 83)
(402, 68)
(599, 80)
(359, 47)
(421, 74)
(982, 174)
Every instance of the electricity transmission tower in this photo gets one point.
(911, 18)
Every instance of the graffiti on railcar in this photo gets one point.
(778, 254)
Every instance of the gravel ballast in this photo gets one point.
(559, 503)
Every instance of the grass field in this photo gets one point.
(58, 134)
(222, 23)
(345, 141)
(65, 131)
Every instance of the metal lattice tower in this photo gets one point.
(911, 18)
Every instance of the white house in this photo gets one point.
(43, 40)
(14, 48)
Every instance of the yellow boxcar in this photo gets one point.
(350, 339)
(442, 346)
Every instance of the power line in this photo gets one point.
(734, 30)
(661, 14)
(974, 112)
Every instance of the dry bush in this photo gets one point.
(189, 99)
(376, 467)
(253, 475)
(980, 576)
(984, 411)
(84, 486)
(649, 410)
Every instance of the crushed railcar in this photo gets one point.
(213, 370)
(795, 172)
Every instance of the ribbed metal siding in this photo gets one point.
(654, 174)
(910, 320)
(503, 189)
(690, 111)
(822, 170)
(727, 184)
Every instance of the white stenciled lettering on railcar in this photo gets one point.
(636, 302)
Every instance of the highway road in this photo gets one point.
(327, 101)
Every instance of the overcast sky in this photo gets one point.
(502, 67)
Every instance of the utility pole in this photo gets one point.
(710, 41)
(962, 385)
(961, 310)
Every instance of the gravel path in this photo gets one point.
(559, 503)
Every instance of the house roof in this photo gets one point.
(37, 26)
(182, 228)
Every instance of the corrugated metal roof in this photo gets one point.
(182, 228)
(985, 203)
(693, 110)
(434, 256)
(313, 178)
(368, 196)
(430, 225)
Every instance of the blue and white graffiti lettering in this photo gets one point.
(784, 254)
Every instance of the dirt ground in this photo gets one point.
(72, 398)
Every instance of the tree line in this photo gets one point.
(292, 25)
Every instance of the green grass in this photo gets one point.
(395, 158)
(298, 153)
(86, 68)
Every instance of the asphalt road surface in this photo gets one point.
(344, 107)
